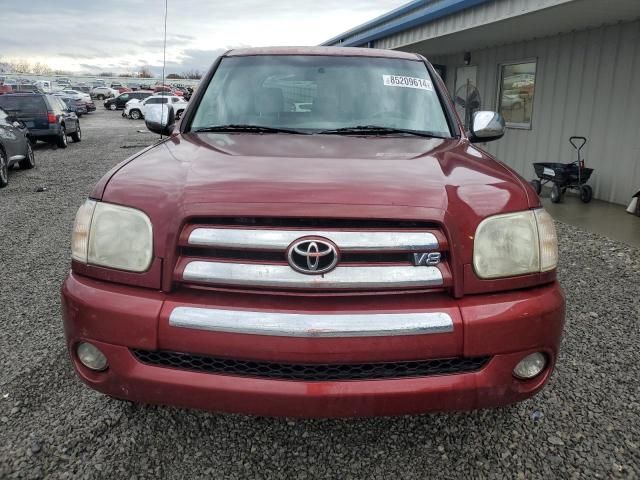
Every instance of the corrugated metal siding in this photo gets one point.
(470, 18)
(587, 83)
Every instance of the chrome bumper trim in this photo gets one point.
(361, 240)
(310, 325)
(283, 276)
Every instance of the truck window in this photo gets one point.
(322, 92)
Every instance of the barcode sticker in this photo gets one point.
(407, 82)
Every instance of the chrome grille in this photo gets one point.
(252, 253)
(348, 241)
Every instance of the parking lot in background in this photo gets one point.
(586, 422)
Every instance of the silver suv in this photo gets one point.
(101, 93)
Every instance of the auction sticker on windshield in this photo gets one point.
(406, 82)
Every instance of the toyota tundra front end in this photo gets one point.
(318, 237)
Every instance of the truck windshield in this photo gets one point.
(315, 94)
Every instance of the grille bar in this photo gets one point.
(266, 239)
(282, 276)
(311, 325)
(309, 372)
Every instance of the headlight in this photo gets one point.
(515, 244)
(112, 236)
(81, 227)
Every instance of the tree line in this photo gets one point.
(39, 68)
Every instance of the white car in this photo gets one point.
(136, 109)
(45, 86)
(104, 92)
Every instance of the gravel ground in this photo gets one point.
(585, 424)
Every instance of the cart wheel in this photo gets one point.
(556, 193)
(537, 186)
(586, 193)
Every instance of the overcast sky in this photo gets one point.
(121, 35)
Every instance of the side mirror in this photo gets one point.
(160, 119)
(486, 126)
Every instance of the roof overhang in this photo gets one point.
(410, 15)
(436, 27)
(570, 16)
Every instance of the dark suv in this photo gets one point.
(121, 100)
(47, 117)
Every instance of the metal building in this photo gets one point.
(553, 68)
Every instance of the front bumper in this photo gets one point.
(506, 327)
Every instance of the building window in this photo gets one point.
(515, 93)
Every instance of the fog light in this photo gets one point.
(530, 366)
(91, 357)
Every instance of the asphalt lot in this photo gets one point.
(585, 424)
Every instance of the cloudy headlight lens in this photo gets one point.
(120, 238)
(548, 241)
(515, 244)
(81, 227)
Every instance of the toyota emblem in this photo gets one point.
(312, 256)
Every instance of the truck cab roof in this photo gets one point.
(334, 51)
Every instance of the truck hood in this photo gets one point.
(217, 169)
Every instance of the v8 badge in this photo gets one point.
(426, 259)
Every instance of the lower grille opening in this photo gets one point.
(310, 372)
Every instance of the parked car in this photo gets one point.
(15, 147)
(138, 110)
(119, 102)
(362, 258)
(82, 88)
(182, 92)
(76, 106)
(90, 105)
(44, 86)
(5, 89)
(120, 87)
(100, 93)
(75, 94)
(24, 88)
(46, 116)
(162, 88)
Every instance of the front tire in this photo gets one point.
(30, 161)
(556, 194)
(77, 135)
(62, 138)
(113, 107)
(4, 169)
(135, 114)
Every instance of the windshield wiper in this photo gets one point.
(378, 129)
(247, 128)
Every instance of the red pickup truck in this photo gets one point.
(317, 237)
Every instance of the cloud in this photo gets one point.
(196, 60)
(117, 34)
